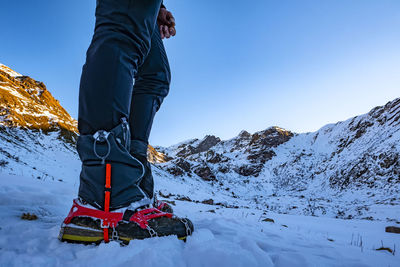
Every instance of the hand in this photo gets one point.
(166, 23)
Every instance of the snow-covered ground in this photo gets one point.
(228, 237)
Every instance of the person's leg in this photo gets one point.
(121, 42)
(151, 87)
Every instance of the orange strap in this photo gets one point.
(107, 198)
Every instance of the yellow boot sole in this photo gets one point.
(89, 236)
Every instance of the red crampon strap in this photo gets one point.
(111, 219)
(160, 204)
(108, 219)
(142, 217)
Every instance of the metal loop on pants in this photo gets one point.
(101, 136)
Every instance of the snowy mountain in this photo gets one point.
(356, 162)
(37, 135)
(362, 151)
(250, 197)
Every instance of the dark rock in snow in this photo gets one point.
(205, 173)
(208, 201)
(392, 229)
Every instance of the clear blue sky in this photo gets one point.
(236, 64)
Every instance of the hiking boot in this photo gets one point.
(84, 225)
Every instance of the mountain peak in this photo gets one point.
(9, 71)
(244, 134)
(26, 103)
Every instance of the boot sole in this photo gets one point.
(90, 236)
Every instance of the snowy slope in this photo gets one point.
(228, 237)
(35, 154)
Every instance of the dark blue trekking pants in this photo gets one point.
(124, 81)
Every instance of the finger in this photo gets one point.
(171, 19)
(162, 32)
(172, 31)
(172, 22)
(166, 32)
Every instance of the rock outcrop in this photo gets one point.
(27, 104)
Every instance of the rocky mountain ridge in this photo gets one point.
(371, 141)
(201, 156)
(26, 103)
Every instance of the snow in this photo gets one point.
(37, 155)
(229, 237)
